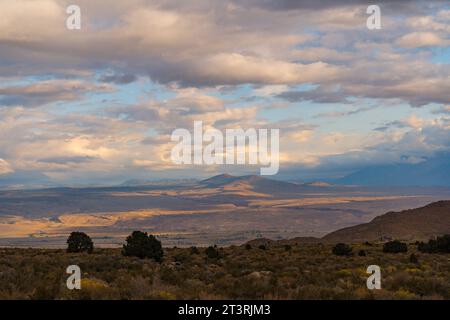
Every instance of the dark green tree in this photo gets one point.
(194, 250)
(212, 252)
(424, 247)
(438, 245)
(443, 244)
(395, 247)
(342, 249)
(140, 244)
(79, 242)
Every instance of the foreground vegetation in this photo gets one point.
(304, 271)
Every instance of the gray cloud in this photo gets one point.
(392, 124)
(44, 92)
(320, 4)
(119, 78)
(320, 95)
(67, 160)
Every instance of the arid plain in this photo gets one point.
(222, 210)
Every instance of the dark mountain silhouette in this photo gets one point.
(432, 172)
(161, 182)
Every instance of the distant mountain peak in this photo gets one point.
(161, 182)
(223, 175)
(228, 178)
(218, 180)
(318, 184)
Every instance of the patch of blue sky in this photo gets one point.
(151, 132)
(440, 55)
(364, 121)
(427, 112)
(90, 102)
(140, 91)
(276, 109)
(235, 96)
(332, 117)
(23, 81)
(153, 90)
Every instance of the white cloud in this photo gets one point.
(422, 39)
(5, 167)
(193, 50)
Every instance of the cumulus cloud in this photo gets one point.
(237, 63)
(422, 39)
(5, 167)
(43, 92)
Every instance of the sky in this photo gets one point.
(98, 105)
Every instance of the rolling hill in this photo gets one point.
(414, 224)
(262, 185)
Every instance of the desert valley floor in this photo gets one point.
(222, 210)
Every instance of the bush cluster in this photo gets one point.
(438, 245)
(342, 249)
(395, 247)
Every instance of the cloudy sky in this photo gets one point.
(98, 105)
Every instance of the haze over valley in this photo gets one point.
(220, 210)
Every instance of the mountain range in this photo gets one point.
(223, 209)
(430, 172)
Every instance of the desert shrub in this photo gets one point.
(287, 247)
(413, 258)
(212, 252)
(306, 272)
(443, 244)
(141, 245)
(424, 247)
(395, 247)
(79, 242)
(342, 249)
(47, 289)
(94, 289)
(262, 247)
(181, 257)
(194, 250)
(361, 253)
(248, 246)
(440, 245)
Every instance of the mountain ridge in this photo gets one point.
(420, 223)
(430, 172)
(412, 224)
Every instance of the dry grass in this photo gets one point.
(303, 272)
